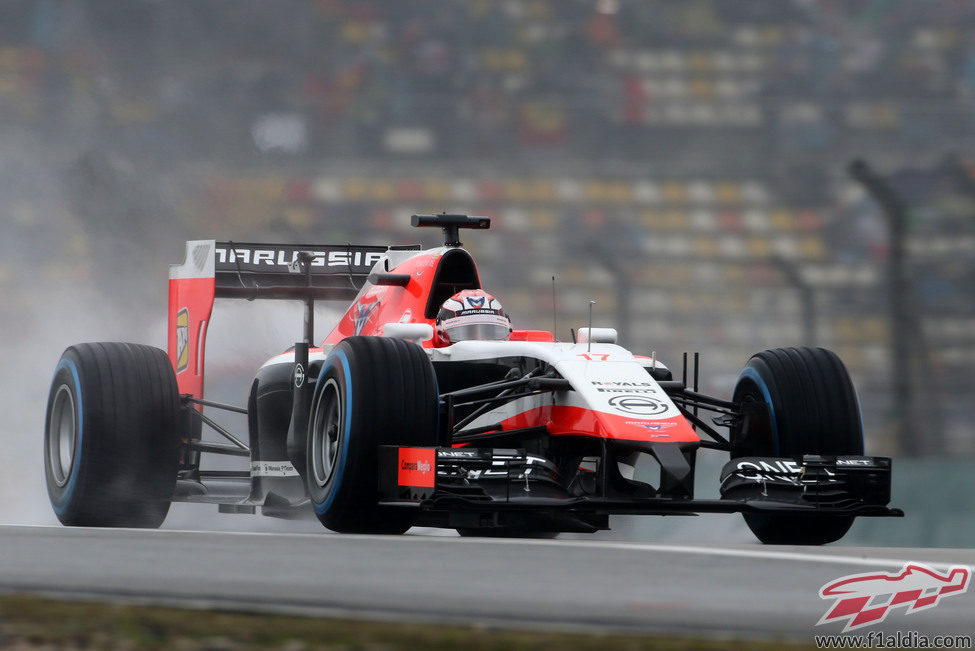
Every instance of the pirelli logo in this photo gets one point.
(182, 340)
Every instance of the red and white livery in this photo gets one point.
(423, 405)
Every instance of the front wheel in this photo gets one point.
(111, 433)
(813, 409)
(371, 391)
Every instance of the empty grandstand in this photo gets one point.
(684, 164)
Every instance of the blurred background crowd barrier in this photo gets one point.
(684, 164)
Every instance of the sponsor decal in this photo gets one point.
(638, 405)
(299, 375)
(285, 257)
(653, 427)
(866, 599)
(476, 302)
(466, 317)
(417, 467)
(459, 454)
(361, 315)
(770, 471)
(615, 383)
(273, 469)
(182, 340)
(854, 462)
(407, 316)
(624, 387)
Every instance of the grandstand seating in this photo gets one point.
(697, 148)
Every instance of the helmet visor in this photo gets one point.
(477, 332)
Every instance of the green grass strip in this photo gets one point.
(28, 622)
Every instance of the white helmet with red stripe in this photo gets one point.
(472, 314)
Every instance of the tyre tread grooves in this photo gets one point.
(128, 461)
(388, 376)
(816, 412)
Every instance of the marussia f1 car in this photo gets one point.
(389, 424)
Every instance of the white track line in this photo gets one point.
(728, 552)
(764, 554)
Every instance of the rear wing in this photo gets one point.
(213, 269)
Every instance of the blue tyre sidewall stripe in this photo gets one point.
(753, 375)
(62, 503)
(336, 480)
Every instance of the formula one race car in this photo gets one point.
(423, 407)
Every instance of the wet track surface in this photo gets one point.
(571, 585)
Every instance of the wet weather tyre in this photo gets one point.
(111, 436)
(813, 409)
(371, 391)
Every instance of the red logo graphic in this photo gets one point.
(866, 599)
(417, 467)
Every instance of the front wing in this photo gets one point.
(493, 480)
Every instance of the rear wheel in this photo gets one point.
(813, 409)
(110, 445)
(372, 391)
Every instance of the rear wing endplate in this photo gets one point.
(214, 269)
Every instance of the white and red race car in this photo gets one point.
(387, 425)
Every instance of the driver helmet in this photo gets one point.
(472, 314)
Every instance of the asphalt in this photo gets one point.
(737, 590)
